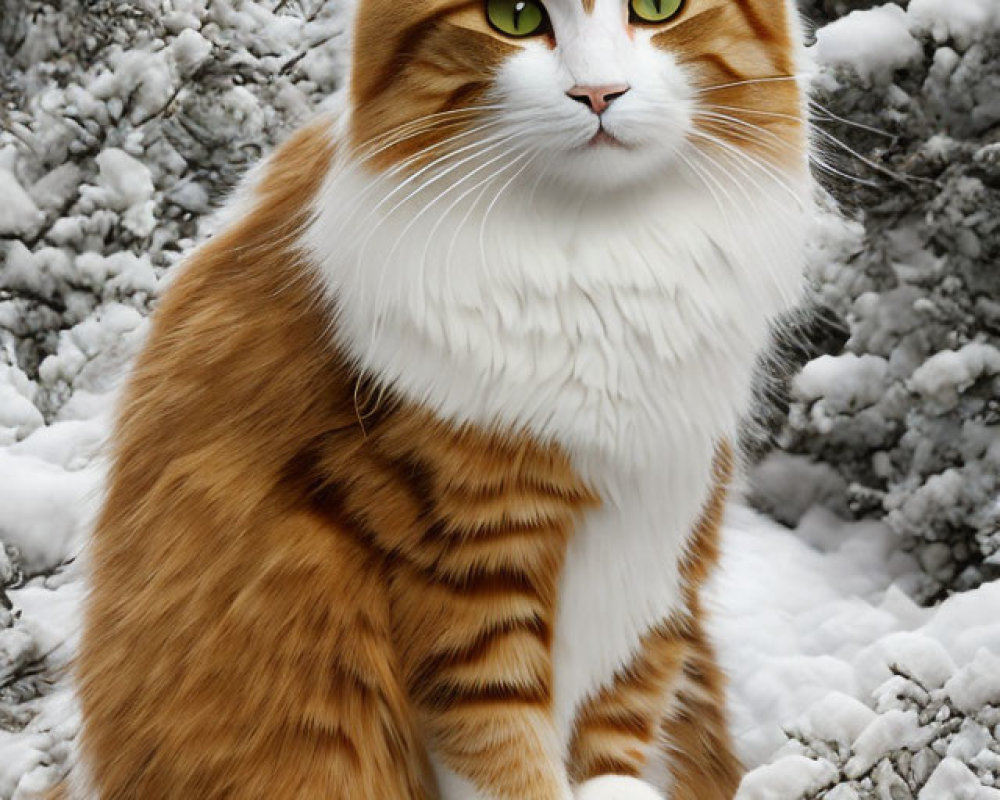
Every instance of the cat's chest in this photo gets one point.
(621, 575)
(602, 330)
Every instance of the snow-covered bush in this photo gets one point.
(931, 731)
(905, 416)
(124, 123)
(16, 650)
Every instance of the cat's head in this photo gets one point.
(588, 92)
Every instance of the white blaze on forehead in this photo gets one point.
(595, 48)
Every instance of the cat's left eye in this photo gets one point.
(653, 11)
(517, 18)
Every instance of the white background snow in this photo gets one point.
(842, 687)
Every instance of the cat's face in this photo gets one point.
(590, 92)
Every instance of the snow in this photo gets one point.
(45, 509)
(874, 42)
(915, 440)
(18, 414)
(877, 41)
(834, 674)
(795, 776)
(19, 216)
(190, 50)
(952, 779)
(977, 684)
(124, 184)
(843, 685)
(962, 20)
(945, 376)
(844, 382)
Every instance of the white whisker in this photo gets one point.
(852, 123)
(831, 138)
(490, 207)
(486, 146)
(436, 162)
(749, 82)
(483, 186)
(747, 158)
(444, 193)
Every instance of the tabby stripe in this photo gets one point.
(636, 725)
(515, 665)
(440, 534)
(481, 644)
(612, 765)
(407, 47)
(760, 28)
(618, 724)
(535, 556)
(491, 503)
(690, 30)
(445, 696)
(465, 457)
(485, 520)
(465, 95)
(417, 474)
(505, 489)
(721, 64)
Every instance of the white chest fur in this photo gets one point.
(624, 330)
(621, 577)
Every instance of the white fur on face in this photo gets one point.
(652, 120)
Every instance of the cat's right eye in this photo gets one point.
(517, 18)
(653, 11)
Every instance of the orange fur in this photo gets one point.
(742, 57)
(238, 638)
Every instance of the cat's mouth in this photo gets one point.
(604, 139)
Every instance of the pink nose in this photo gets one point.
(598, 98)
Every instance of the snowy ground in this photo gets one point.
(116, 139)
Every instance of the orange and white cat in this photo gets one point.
(423, 466)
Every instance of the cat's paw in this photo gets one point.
(616, 787)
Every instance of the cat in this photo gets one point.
(422, 469)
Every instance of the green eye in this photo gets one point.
(653, 10)
(516, 17)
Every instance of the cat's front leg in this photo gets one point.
(478, 669)
(452, 786)
(474, 588)
(616, 737)
(477, 664)
(664, 716)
